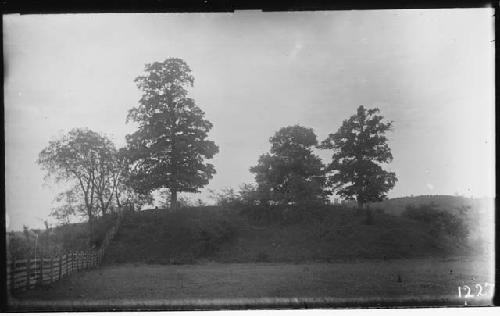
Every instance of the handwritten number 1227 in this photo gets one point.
(479, 288)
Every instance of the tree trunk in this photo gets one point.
(91, 227)
(103, 206)
(173, 199)
(118, 200)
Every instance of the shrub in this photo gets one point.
(225, 197)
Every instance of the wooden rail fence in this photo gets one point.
(24, 274)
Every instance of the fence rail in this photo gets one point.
(24, 274)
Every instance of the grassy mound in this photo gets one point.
(272, 234)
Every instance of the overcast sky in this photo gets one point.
(430, 71)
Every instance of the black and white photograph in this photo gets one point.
(249, 159)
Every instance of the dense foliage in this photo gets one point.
(360, 147)
(89, 164)
(170, 146)
(290, 172)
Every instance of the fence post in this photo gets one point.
(60, 267)
(51, 269)
(28, 271)
(12, 275)
(41, 271)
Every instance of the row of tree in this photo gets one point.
(170, 148)
(292, 173)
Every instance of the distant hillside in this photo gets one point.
(279, 235)
(396, 206)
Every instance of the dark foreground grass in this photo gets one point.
(214, 285)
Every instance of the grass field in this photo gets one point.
(136, 285)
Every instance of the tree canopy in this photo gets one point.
(291, 173)
(87, 162)
(360, 148)
(170, 146)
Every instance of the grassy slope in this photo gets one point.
(212, 234)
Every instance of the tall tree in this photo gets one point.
(123, 192)
(291, 173)
(170, 146)
(360, 148)
(79, 158)
(107, 175)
